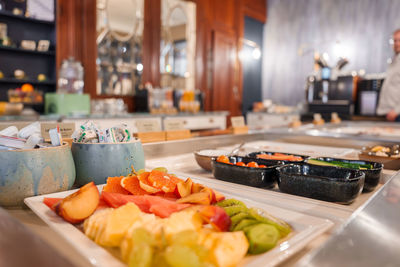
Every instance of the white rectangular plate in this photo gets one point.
(305, 227)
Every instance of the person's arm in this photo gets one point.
(392, 115)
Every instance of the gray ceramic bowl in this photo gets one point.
(95, 162)
(32, 172)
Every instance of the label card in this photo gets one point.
(173, 125)
(66, 129)
(237, 121)
(145, 126)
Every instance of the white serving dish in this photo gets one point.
(306, 228)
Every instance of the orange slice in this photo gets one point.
(114, 186)
(145, 184)
(163, 181)
(132, 184)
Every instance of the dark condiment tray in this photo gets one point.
(372, 176)
(321, 182)
(254, 155)
(256, 177)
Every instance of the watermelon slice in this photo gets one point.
(149, 204)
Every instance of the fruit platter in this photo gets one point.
(154, 218)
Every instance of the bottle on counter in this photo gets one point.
(70, 79)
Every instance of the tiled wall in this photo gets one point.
(362, 27)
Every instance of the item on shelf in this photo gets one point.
(70, 79)
(17, 11)
(111, 106)
(335, 118)
(27, 87)
(25, 94)
(67, 104)
(3, 31)
(40, 9)
(188, 102)
(41, 77)
(1, 75)
(91, 133)
(161, 101)
(11, 109)
(28, 45)
(7, 42)
(318, 120)
(19, 74)
(43, 45)
(2, 5)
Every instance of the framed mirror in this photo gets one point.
(178, 44)
(119, 46)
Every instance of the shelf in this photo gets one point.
(25, 19)
(32, 52)
(33, 82)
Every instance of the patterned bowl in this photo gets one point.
(32, 172)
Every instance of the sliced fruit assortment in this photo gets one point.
(225, 159)
(280, 156)
(159, 183)
(179, 240)
(262, 230)
(156, 219)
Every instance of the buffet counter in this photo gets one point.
(198, 121)
(178, 158)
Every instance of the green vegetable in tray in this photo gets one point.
(335, 163)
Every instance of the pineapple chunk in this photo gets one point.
(92, 224)
(182, 221)
(226, 248)
(118, 223)
(149, 222)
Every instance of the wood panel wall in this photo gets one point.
(220, 27)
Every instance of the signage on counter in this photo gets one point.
(145, 126)
(66, 129)
(237, 121)
(173, 125)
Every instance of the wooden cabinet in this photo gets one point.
(224, 92)
(219, 34)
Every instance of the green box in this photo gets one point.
(67, 104)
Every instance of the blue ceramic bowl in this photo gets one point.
(32, 172)
(95, 162)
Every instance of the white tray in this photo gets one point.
(306, 228)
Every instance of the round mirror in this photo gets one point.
(121, 16)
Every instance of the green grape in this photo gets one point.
(181, 256)
(141, 255)
(185, 238)
(142, 236)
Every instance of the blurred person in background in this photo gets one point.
(389, 99)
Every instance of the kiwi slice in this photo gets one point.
(262, 237)
(237, 218)
(233, 210)
(264, 217)
(230, 202)
(245, 223)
